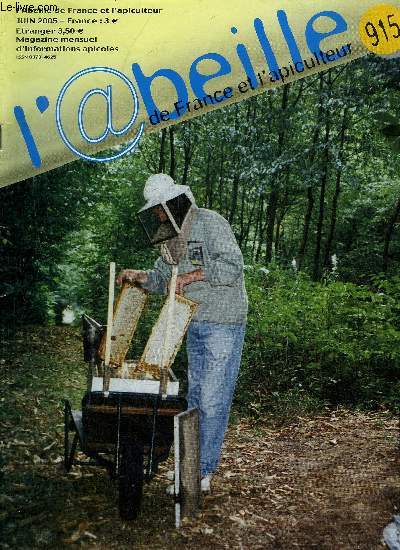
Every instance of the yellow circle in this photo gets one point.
(380, 29)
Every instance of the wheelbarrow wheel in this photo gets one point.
(130, 480)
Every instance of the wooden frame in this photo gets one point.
(121, 341)
(153, 347)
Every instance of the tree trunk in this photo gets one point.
(271, 215)
(277, 236)
(236, 176)
(335, 199)
(310, 194)
(279, 219)
(161, 163)
(242, 211)
(248, 226)
(186, 165)
(274, 194)
(221, 180)
(323, 185)
(259, 227)
(306, 227)
(172, 163)
(235, 193)
(209, 187)
(389, 230)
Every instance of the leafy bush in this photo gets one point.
(310, 343)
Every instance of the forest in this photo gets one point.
(308, 175)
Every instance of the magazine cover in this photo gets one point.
(199, 275)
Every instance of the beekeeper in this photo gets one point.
(210, 272)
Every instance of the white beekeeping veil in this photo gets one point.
(167, 215)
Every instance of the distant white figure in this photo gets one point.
(334, 261)
(68, 316)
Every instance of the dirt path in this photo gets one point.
(330, 482)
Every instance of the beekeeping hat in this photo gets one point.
(166, 208)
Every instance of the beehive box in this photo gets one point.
(143, 375)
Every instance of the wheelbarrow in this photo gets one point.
(127, 433)
(129, 421)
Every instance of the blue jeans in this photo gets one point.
(214, 351)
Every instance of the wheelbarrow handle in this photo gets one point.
(107, 355)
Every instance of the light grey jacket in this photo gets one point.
(213, 248)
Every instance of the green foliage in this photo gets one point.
(312, 343)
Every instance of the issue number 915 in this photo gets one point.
(380, 29)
